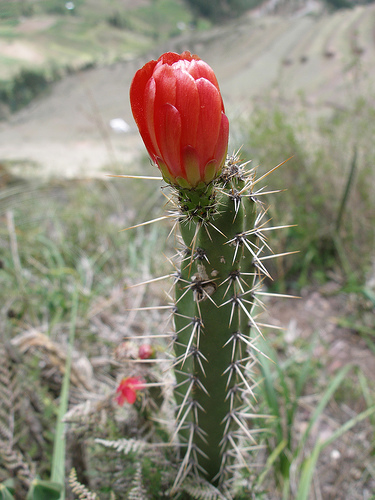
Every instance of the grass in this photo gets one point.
(65, 236)
(45, 264)
(55, 239)
(294, 451)
(330, 187)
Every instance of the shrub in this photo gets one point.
(217, 10)
(26, 85)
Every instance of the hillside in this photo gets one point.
(326, 59)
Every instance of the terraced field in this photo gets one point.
(328, 59)
(92, 30)
(319, 55)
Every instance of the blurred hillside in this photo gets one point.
(323, 60)
(67, 35)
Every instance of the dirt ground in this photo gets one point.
(317, 315)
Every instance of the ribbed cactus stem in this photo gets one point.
(178, 108)
(214, 299)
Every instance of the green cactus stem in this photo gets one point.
(221, 271)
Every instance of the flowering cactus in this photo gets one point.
(178, 108)
(177, 105)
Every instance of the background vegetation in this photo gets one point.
(62, 249)
(330, 179)
(218, 10)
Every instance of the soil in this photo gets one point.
(316, 317)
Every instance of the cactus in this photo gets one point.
(177, 106)
(215, 291)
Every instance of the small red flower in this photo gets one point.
(145, 351)
(177, 105)
(127, 390)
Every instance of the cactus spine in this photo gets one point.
(215, 292)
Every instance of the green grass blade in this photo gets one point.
(322, 404)
(45, 490)
(347, 426)
(269, 390)
(307, 474)
(58, 458)
(368, 397)
(271, 460)
(5, 494)
(309, 464)
(348, 186)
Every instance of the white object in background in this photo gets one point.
(119, 125)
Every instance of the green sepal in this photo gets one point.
(168, 178)
(182, 183)
(198, 203)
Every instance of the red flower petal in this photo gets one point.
(149, 138)
(188, 105)
(120, 399)
(221, 149)
(127, 390)
(168, 135)
(173, 57)
(179, 111)
(130, 395)
(209, 121)
(200, 69)
(137, 95)
(145, 351)
(165, 79)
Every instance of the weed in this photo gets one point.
(329, 187)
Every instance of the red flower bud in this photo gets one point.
(177, 105)
(127, 390)
(145, 351)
